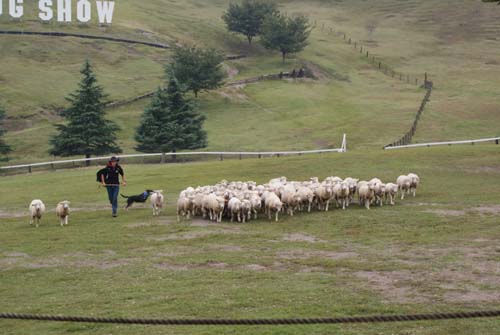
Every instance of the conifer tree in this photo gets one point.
(170, 123)
(87, 131)
(4, 147)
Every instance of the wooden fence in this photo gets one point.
(432, 144)
(274, 76)
(377, 62)
(408, 137)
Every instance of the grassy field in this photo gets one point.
(438, 251)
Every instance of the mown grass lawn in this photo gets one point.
(438, 251)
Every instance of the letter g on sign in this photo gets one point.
(15, 10)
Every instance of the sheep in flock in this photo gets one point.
(62, 212)
(37, 209)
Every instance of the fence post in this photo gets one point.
(240, 156)
(221, 157)
(162, 160)
(496, 141)
(260, 156)
(29, 169)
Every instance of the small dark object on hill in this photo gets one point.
(137, 198)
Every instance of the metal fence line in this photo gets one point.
(221, 154)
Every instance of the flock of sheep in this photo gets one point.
(243, 201)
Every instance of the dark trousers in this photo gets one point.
(113, 192)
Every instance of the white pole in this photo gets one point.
(344, 143)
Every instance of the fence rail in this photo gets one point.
(272, 76)
(408, 136)
(432, 144)
(174, 156)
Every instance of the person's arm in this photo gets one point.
(124, 180)
(102, 180)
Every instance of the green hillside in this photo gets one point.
(349, 95)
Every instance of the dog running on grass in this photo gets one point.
(141, 198)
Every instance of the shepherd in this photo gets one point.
(109, 177)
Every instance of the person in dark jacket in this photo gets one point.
(111, 180)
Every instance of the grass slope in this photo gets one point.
(436, 252)
(456, 42)
(270, 115)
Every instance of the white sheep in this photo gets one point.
(279, 181)
(198, 203)
(414, 182)
(306, 196)
(37, 209)
(273, 203)
(324, 194)
(341, 194)
(246, 210)
(333, 180)
(157, 200)
(234, 206)
(184, 208)
(391, 191)
(62, 212)
(290, 198)
(256, 203)
(366, 194)
(214, 206)
(379, 190)
(404, 183)
(353, 184)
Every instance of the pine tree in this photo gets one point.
(87, 132)
(170, 123)
(4, 148)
